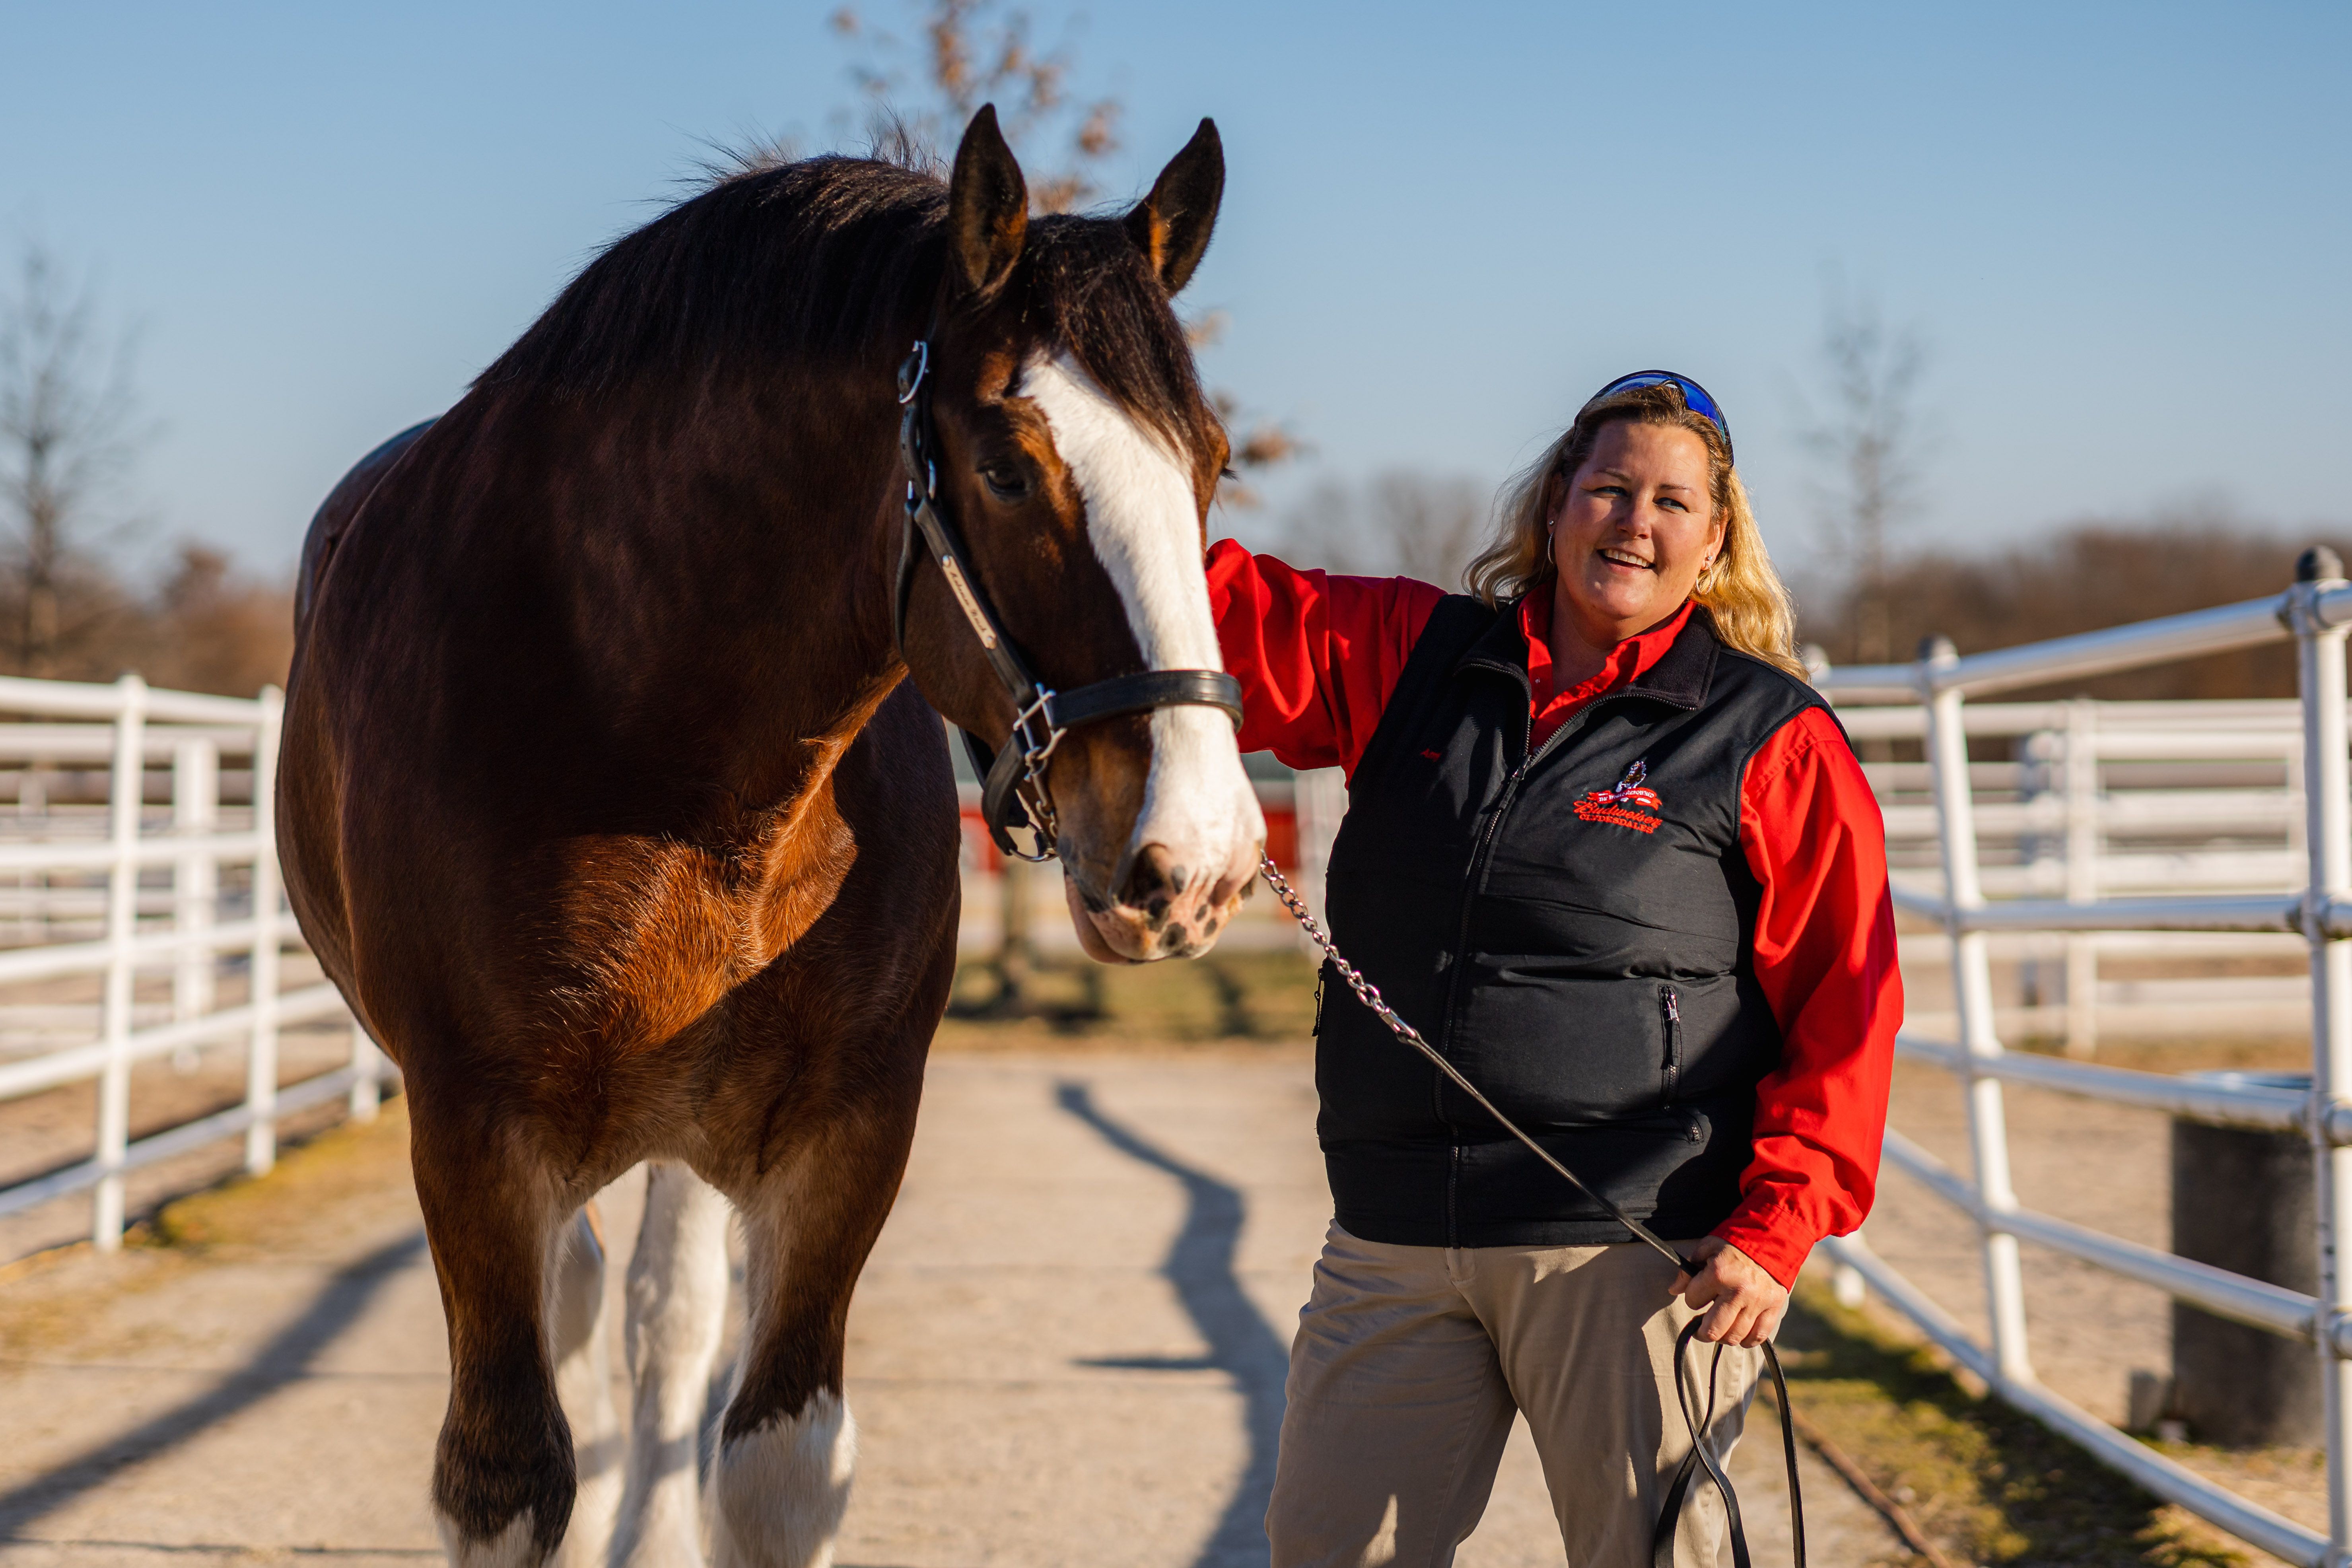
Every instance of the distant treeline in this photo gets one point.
(205, 626)
(2081, 578)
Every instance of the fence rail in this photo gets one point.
(176, 932)
(2316, 613)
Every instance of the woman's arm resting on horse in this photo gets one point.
(1317, 656)
(1824, 954)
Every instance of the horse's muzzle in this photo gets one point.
(1163, 908)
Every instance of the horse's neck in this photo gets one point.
(745, 557)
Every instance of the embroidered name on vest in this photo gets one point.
(1623, 806)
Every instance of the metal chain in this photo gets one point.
(1699, 1424)
(1369, 995)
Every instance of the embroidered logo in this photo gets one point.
(1623, 806)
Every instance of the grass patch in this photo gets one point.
(54, 1301)
(312, 1179)
(1237, 998)
(1988, 1483)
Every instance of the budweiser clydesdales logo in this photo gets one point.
(1624, 807)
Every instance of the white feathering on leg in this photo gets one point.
(779, 1493)
(677, 1307)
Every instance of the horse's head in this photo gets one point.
(1075, 454)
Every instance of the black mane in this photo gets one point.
(835, 258)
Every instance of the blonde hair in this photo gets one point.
(1753, 611)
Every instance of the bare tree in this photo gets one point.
(1258, 443)
(210, 627)
(972, 52)
(1400, 522)
(919, 95)
(70, 432)
(1872, 446)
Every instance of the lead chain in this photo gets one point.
(1366, 992)
(1369, 995)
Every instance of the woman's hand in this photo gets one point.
(1745, 1305)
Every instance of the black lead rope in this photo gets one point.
(1696, 1417)
(1014, 794)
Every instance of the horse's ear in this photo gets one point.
(1172, 226)
(988, 204)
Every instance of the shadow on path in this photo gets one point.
(1200, 1264)
(283, 1360)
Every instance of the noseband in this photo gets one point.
(1015, 795)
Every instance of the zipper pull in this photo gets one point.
(1673, 1008)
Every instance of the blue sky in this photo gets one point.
(2124, 230)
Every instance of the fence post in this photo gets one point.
(126, 795)
(1320, 799)
(1948, 756)
(261, 1055)
(367, 1075)
(2327, 794)
(195, 879)
(2082, 874)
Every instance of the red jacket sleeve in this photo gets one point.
(1824, 955)
(1317, 656)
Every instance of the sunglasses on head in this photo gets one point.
(1695, 398)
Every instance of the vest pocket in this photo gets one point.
(1670, 1014)
(1555, 1049)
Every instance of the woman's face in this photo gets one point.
(1632, 530)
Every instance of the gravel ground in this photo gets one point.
(1067, 1348)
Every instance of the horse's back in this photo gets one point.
(335, 513)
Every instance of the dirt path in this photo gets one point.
(1068, 1348)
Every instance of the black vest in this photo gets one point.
(1573, 930)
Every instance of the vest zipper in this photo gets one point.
(1462, 936)
(1670, 1006)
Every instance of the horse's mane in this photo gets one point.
(836, 258)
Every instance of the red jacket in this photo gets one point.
(1317, 656)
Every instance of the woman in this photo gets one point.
(1609, 851)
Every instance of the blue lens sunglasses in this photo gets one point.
(1695, 396)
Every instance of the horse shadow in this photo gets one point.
(1200, 1265)
(285, 1358)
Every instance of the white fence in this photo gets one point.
(2106, 798)
(2320, 912)
(151, 908)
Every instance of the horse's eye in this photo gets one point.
(1005, 481)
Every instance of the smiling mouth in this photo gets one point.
(1620, 557)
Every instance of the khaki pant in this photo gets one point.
(1409, 1362)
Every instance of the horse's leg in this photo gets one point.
(503, 1475)
(782, 1476)
(677, 1309)
(584, 1383)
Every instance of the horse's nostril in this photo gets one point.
(1153, 880)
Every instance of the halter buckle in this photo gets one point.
(1033, 749)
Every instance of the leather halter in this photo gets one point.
(1015, 795)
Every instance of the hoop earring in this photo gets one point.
(1705, 582)
(1551, 538)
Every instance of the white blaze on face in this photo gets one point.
(1142, 519)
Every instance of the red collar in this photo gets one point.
(1628, 659)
